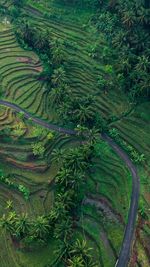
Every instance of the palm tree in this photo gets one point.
(41, 227)
(125, 65)
(143, 15)
(63, 177)
(58, 155)
(18, 3)
(88, 100)
(9, 204)
(60, 208)
(63, 230)
(76, 160)
(129, 18)
(57, 95)
(93, 135)
(143, 63)
(8, 223)
(59, 77)
(81, 130)
(25, 31)
(58, 56)
(60, 94)
(83, 114)
(76, 261)
(23, 226)
(40, 40)
(66, 197)
(143, 88)
(65, 110)
(138, 40)
(87, 151)
(80, 248)
(77, 180)
(57, 49)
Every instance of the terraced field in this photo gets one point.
(19, 72)
(135, 131)
(106, 204)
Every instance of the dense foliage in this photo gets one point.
(126, 25)
(60, 223)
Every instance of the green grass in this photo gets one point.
(110, 180)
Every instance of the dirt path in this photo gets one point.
(125, 250)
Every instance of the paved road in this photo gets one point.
(130, 227)
(124, 255)
(38, 121)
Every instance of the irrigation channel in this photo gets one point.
(125, 250)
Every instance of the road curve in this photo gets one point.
(124, 255)
(38, 121)
(130, 227)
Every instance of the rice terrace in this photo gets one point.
(74, 133)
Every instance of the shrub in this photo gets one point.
(24, 190)
(19, 129)
(38, 149)
(6, 180)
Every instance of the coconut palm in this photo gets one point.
(81, 130)
(65, 110)
(75, 261)
(60, 94)
(121, 39)
(63, 230)
(60, 208)
(58, 155)
(93, 135)
(80, 248)
(18, 3)
(63, 177)
(77, 180)
(59, 77)
(41, 227)
(83, 114)
(57, 95)
(125, 65)
(143, 15)
(9, 204)
(87, 151)
(88, 100)
(66, 197)
(58, 55)
(129, 18)
(8, 222)
(25, 30)
(76, 160)
(22, 225)
(40, 40)
(139, 39)
(143, 63)
(143, 88)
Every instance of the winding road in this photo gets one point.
(125, 251)
(124, 255)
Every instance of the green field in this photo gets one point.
(104, 209)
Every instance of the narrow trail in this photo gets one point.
(125, 250)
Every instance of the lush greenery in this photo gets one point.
(131, 39)
(83, 65)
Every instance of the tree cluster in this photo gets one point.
(61, 221)
(126, 24)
